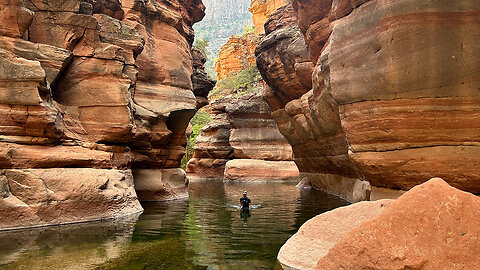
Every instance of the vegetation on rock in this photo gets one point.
(199, 120)
(239, 83)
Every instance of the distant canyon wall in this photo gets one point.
(238, 52)
(261, 11)
(95, 98)
(376, 94)
(241, 143)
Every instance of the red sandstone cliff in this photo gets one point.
(242, 143)
(237, 54)
(89, 115)
(261, 11)
(380, 92)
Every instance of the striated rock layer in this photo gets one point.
(432, 226)
(376, 93)
(236, 55)
(242, 143)
(86, 105)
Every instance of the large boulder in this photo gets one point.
(319, 234)
(432, 226)
(37, 197)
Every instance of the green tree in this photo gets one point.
(248, 29)
(202, 45)
(199, 120)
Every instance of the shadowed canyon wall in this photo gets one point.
(381, 93)
(95, 98)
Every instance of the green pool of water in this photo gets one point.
(204, 232)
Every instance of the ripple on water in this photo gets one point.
(208, 231)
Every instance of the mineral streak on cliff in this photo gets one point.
(380, 92)
(86, 105)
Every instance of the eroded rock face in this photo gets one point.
(64, 195)
(212, 146)
(242, 143)
(84, 99)
(376, 110)
(433, 226)
(262, 9)
(201, 81)
(237, 54)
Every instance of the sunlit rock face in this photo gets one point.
(262, 9)
(236, 55)
(90, 90)
(242, 143)
(393, 99)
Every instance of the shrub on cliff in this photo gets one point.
(199, 120)
(240, 83)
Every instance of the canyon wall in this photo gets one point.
(235, 55)
(376, 95)
(241, 143)
(261, 11)
(95, 98)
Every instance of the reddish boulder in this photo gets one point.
(433, 226)
(318, 235)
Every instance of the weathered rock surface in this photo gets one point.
(433, 226)
(84, 100)
(242, 143)
(212, 146)
(253, 132)
(237, 54)
(262, 9)
(201, 81)
(33, 197)
(390, 94)
(318, 235)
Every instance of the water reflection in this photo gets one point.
(79, 246)
(208, 231)
(245, 214)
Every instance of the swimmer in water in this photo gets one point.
(245, 203)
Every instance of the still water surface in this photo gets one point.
(206, 231)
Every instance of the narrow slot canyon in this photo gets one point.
(224, 134)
